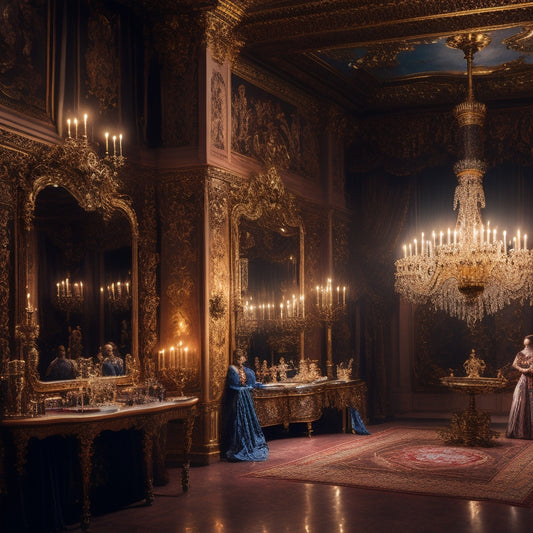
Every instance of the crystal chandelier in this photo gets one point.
(472, 271)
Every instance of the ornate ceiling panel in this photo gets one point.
(373, 55)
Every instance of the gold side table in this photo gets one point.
(471, 427)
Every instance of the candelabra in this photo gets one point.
(69, 296)
(329, 308)
(118, 295)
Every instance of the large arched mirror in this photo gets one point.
(79, 256)
(83, 285)
(268, 270)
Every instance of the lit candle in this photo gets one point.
(302, 300)
(404, 250)
(317, 294)
(505, 242)
(410, 250)
(28, 301)
(85, 124)
(127, 288)
(186, 359)
(114, 145)
(68, 126)
(163, 358)
(344, 296)
(493, 236)
(518, 239)
(76, 127)
(281, 309)
(449, 242)
(422, 244)
(172, 357)
(525, 241)
(106, 143)
(454, 237)
(416, 247)
(120, 144)
(81, 288)
(440, 238)
(434, 240)
(338, 295)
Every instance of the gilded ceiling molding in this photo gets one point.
(220, 26)
(305, 26)
(275, 86)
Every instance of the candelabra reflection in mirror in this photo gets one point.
(118, 295)
(330, 305)
(173, 368)
(69, 296)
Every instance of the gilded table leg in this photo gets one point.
(309, 429)
(189, 425)
(86, 441)
(148, 436)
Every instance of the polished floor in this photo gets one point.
(221, 500)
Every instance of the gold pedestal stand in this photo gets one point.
(471, 427)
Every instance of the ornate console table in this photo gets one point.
(287, 403)
(86, 426)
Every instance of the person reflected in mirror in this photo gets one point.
(75, 342)
(243, 437)
(60, 368)
(519, 425)
(112, 365)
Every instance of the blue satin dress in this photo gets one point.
(246, 441)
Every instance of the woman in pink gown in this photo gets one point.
(520, 425)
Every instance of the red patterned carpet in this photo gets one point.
(416, 461)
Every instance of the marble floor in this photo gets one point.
(221, 500)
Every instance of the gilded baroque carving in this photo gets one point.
(148, 294)
(76, 166)
(181, 200)
(218, 111)
(272, 133)
(219, 282)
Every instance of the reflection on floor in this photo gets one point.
(222, 500)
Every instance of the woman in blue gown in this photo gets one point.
(245, 440)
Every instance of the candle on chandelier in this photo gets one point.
(114, 145)
(85, 124)
(518, 239)
(106, 143)
(449, 242)
(120, 144)
(344, 296)
(416, 247)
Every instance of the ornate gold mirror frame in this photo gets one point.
(94, 184)
(265, 200)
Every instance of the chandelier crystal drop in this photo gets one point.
(473, 270)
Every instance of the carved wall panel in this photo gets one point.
(148, 290)
(23, 60)
(181, 200)
(219, 284)
(176, 41)
(218, 111)
(273, 131)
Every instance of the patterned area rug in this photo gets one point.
(416, 461)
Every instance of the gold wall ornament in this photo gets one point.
(471, 273)
(91, 180)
